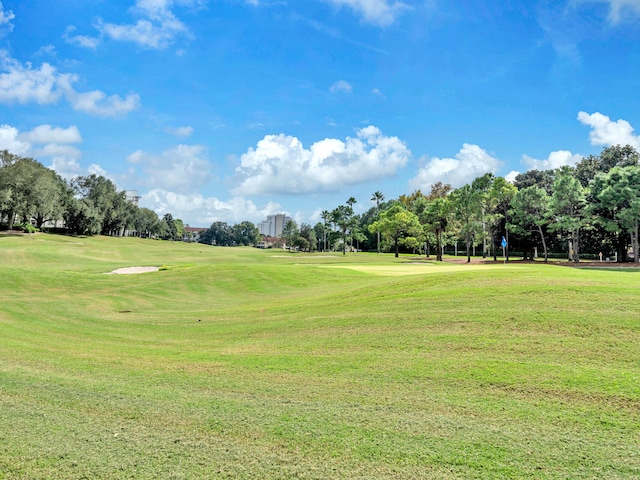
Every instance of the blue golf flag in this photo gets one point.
(504, 242)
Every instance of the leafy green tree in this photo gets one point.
(290, 233)
(105, 202)
(170, 230)
(435, 217)
(246, 233)
(482, 188)
(586, 170)
(502, 193)
(610, 157)
(30, 190)
(397, 223)
(540, 178)
(530, 211)
(179, 224)
(219, 233)
(619, 192)
(81, 217)
(467, 214)
(146, 222)
(568, 204)
(309, 234)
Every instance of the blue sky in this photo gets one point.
(230, 110)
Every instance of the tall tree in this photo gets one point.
(502, 193)
(326, 217)
(610, 157)
(568, 204)
(530, 211)
(246, 233)
(482, 189)
(309, 234)
(219, 233)
(466, 209)
(170, 231)
(30, 190)
(290, 233)
(436, 214)
(619, 192)
(342, 216)
(377, 197)
(397, 223)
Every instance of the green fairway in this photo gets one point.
(243, 363)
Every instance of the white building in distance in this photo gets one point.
(273, 225)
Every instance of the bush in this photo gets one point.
(26, 227)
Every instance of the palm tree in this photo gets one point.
(350, 217)
(377, 197)
(325, 215)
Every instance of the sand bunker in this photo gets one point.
(134, 270)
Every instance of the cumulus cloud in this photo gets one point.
(45, 141)
(45, 85)
(469, 163)
(377, 12)
(555, 160)
(606, 132)
(341, 86)
(157, 28)
(182, 168)
(197, 210)
(281, 164)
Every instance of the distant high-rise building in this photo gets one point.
(273, 225)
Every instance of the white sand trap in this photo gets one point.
(134, 270)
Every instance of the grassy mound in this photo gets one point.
(246, 363)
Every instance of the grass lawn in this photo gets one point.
(242, 363)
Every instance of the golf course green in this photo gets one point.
(242, 363)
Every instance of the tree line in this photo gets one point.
(591, 209)
(33, 196)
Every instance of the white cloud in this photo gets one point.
(10, 140)
(555, 160)
(511, 176)
(66, 167)
(606, 132)
(79, 40)
(45, 141)
(97, 103)
(49, 134)
(184, 132)
(620, 10)
(180, 169)
(157, 28)
(470, 162)
(281, 164)
(5, 20)
(44, 85)
(197, 210)
(341, 86)
(376, 12)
